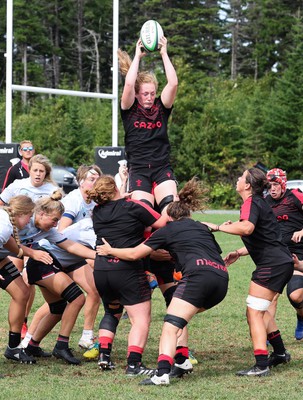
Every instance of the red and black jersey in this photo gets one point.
(191, 244)
(146, 139)
(122, 224)
(265, 244)
(289, 213)
(17, 171)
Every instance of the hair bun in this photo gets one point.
(57, 195)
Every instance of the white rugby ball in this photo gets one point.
(150, 35)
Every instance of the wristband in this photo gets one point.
(20, 254)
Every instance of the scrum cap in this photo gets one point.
(279, 176)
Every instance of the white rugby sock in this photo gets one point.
(87, 334)
(26, 340)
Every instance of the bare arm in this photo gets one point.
(241, 228)
(37, 255)
(77, 249)
(162, 221)
(123, 173)
(128, 95)
(128, 254)
(297, 236)
(160, 255)
(233, 256)
(64, 223)
(169, 92)
(298, 264)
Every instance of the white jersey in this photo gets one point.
(25, 187)
(75, 207)
(6, 230)
(81, 232)
(32, 235)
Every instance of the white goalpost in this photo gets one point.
(10, 87)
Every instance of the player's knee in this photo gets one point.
(57, 307)
(109, 322)
(295, 291)
(175, 321)
(113, 308)
(72, 293)
(295, 299)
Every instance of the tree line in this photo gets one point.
(239, 68)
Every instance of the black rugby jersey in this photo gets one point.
(122, 224)
(146, 138)
(265, 244)
(289, 214)
(191, 244)
(17, 171)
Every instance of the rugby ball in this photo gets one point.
(150, 35)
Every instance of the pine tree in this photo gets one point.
(284, 117)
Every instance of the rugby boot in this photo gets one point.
(138, 369)
(156, 380)
(66, 355)
(299, 330)
(254, 371)
(37, 352)
(19, 354)
(276, 359)
(105, 362)
(178, 370)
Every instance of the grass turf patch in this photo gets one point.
(219, 338)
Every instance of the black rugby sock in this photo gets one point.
(276, 341)
(14, 339)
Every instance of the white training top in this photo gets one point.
(24, 186)
(80, 232)
(31, 234)
(75, 207)
(6, 228)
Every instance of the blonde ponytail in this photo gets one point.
(18, 205)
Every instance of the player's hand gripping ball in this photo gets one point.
(150, 35)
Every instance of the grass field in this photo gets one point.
(219, 338)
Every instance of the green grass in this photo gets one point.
(219, 338)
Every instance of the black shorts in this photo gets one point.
(37, 270)
(73, 267)
(129, 287)
(147, 178)
(202, 289)
(9, 273)
(295, 283)
(273, 278)
(164, 271)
